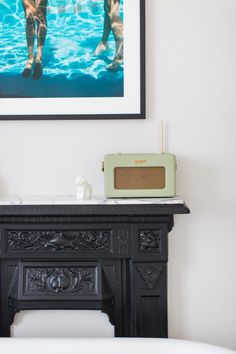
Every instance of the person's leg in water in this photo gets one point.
(112, 22)
(30, 9)
(35, 13)
(41, 19)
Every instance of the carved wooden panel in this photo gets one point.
(60, 280)
(123, 241)
(13, 282)
(59, 240)
(109, 272)
(13, 279)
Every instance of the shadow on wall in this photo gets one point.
(200, 184)
(196, 246)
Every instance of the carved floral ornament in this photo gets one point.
(57, 240)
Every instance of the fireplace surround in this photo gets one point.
(111, 257)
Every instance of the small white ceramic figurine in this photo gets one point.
(83, 188)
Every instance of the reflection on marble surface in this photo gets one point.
(72, 200)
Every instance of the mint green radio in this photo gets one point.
(139, 175)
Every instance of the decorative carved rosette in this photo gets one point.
(150, 274)
(149, 240)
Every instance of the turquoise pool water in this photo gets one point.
(70, 67)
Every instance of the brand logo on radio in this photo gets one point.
(138, 162)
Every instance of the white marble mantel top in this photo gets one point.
(72, 200)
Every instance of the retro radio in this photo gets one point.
(139, 175)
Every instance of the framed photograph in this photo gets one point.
(72, 59)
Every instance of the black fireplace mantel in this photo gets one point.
(103, 256)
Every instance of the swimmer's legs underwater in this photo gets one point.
(36, 15)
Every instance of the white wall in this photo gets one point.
(191, 84)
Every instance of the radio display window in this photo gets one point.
(139, 177)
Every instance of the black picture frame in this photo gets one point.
(141, 114)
